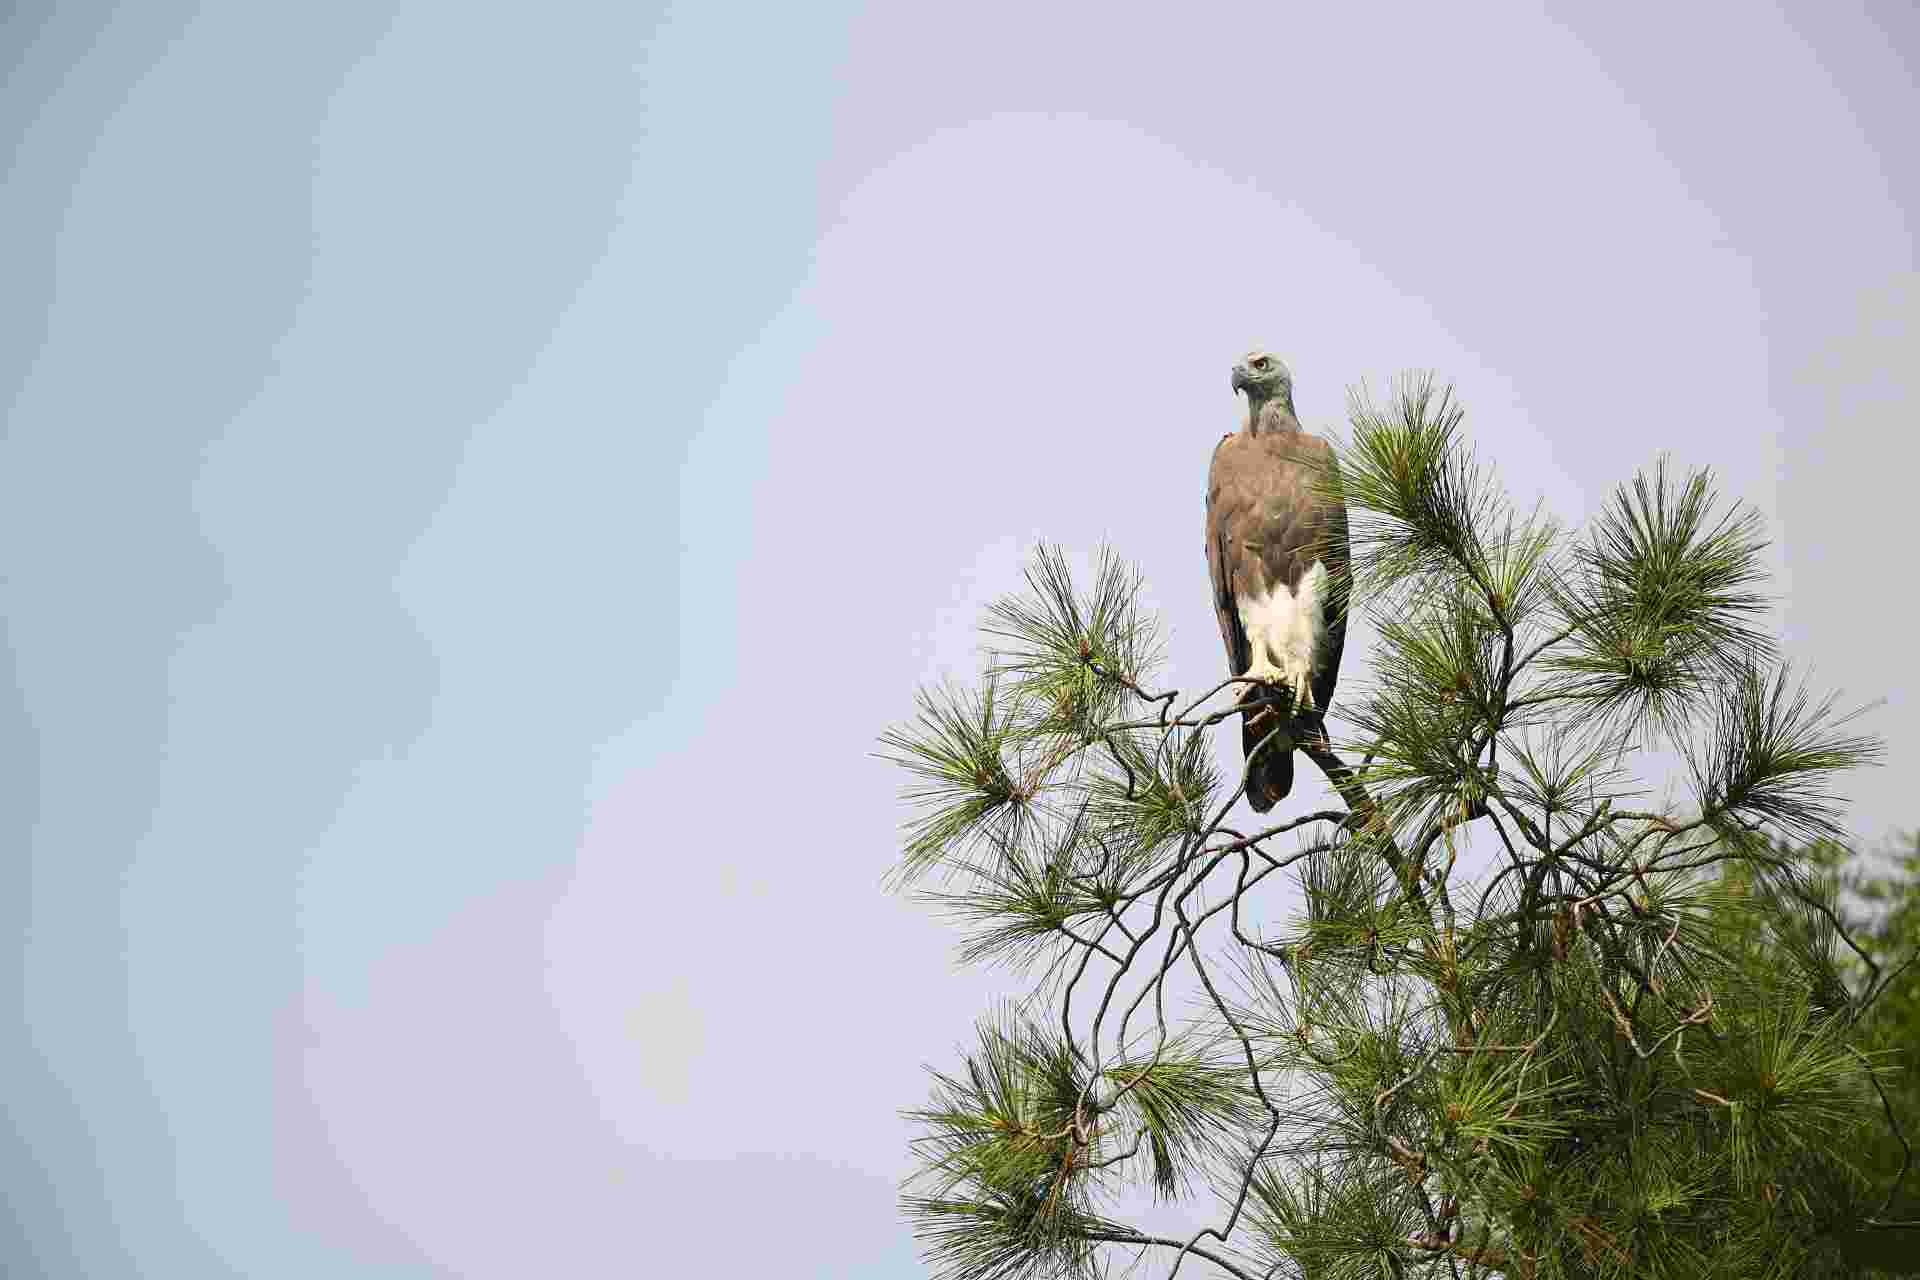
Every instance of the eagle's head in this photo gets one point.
(1263, 377)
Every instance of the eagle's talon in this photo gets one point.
(1264, 674)
(1294, 679)
(1298, 681)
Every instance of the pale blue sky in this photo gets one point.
(476, 480)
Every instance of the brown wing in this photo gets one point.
(1334, 553)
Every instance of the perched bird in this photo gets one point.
(1277, 554)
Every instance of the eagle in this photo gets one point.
(1277, 555)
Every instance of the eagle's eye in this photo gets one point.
(1262, 363)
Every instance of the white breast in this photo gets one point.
(1285, 629)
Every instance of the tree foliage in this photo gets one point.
(1872, 897)
(1523, 1022)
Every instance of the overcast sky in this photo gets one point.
(477, 478)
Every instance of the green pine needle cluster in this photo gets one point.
(1664, 600)
(1072, 658)
(1496, 1014)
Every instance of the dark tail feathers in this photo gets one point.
(1271, 776)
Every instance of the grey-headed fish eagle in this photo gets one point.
(1277, 554)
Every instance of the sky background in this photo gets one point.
(477, 479)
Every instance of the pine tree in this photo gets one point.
(1524, 1023)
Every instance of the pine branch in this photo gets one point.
(1662, 602)
(1772, 754)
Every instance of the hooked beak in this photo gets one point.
(1239, 379)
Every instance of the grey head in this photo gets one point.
(1264, 377)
